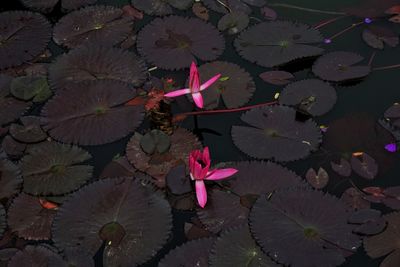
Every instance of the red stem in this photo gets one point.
(387, 67)
(327, 22)
(371, 58)
(346, 30)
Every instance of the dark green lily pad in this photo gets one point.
(133, 220)
(155, 140)
(161, 7)
(29, 132)
(51, 168)
(270, 44)
(233, 23)
(28, 87)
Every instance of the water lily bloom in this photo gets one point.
(199, 165)
(194, 86)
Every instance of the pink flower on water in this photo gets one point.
(199, 164)
(194, 86)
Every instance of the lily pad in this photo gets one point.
(236, 247)
(192, 253)
(319, 179)
(343, 168)
(104, 25)
(365, 166)
(29, 218)
(36, 256)
(13, 148)
(377, 37)
(29, 132)
(369, 221)
(118, 167)
(274, 133)
(28, 87)
(276, 77)
(52, 168)
(92, 113)
(129, 217)
(229, 6)
(155, 141)
(10, 179)
(48, 5)
(178, 182)
(294, 234)
(174, 42)
(340, 67)
(2, 219)
(234, 22)
(235, 87)
(96, 62)
(270, 44)
(23, 36)
(161, 7)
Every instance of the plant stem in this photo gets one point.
(327, 22)
(387, 67)
(306, 9)
(224, 5)
(346, 30)
(371, 58)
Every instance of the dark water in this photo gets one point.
(370, 98)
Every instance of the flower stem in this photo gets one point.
(387, 67)
(327, 22)
(346, 30)
(371, 59)
(306, 9)
(224, 5)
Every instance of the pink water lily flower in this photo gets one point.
(194, 86)
(199, 164)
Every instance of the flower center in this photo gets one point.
(202, 163)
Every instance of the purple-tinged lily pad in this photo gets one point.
(96, 62)
(192, 253)
(174, 42)
(161, 7)
(277, 77)
(30, 130)
(48, 5)
(268, 13)
(233, 23)
(319, 179)
(365, 166)
(292, 233)
(127, 215)
(104, 25)
(228, 6)
(270, 44)
(235, 87)
(119, 167)
(29, 218)
(6, 254)
(340, 67)
(274, 133)
(377, 37)
(178, 181)
(23, 36)
(50, 168)
(310, 96)
(92, 113)
(369, 221)
(13, 148)
(236, 247)
(10, 179)
(2, 219)
(354, 199)
(343, 168)
(76, 257)
(36, 256)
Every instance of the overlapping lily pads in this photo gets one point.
(23, 36)
(311, 96)
(235, 87)
(96, 62)
(233, 23)
(128, 216)
(161, 7)
(274, 133)
(51, 168)
(233, 5)
(36, 256)
(29, 132)
(92, 113)
(2, 219)
(174, 42)
(48, 5)
(158, 165)
(105, 25)
(340, 67)
(10, 178)
(29, 218)
(236, 247)
(231, 208)
(270, 44)
(10, 107)
(300, 227)
(192, 253)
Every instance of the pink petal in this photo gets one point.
(219, 174)
(198, 99)
(194, 80)
(209, 82)
(206, 156)
(201, 193)
(178, 92)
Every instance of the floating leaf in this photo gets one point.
(178, 182)
(78, 258)
(343, 168)
(174, 42)
(317, 180)
(200, 11)
(52, 168)
(6, 254)
(28, 87)
(340, 67)
(13, 148)
(310, 96)
(376, 37)
(386, 243)
(95, 62)
(275, 133)
(2, 219)
(192, 253)
(36, 256)
(269, 13)
(92, 113)
(294, 234)
(155, 140)
(277, 77)
(29, 132)
(236, 247)
(365, 166)
(227, 6)
(23, 36)
(133, 220)
(270, 44)
(370, 8)
(48, 5)
(10, 179)
(235, 91)
(369, 221)
(104, 25)
(161, 7)
(233, 23)
(29, 219)
(354, 199)
(118, 167)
